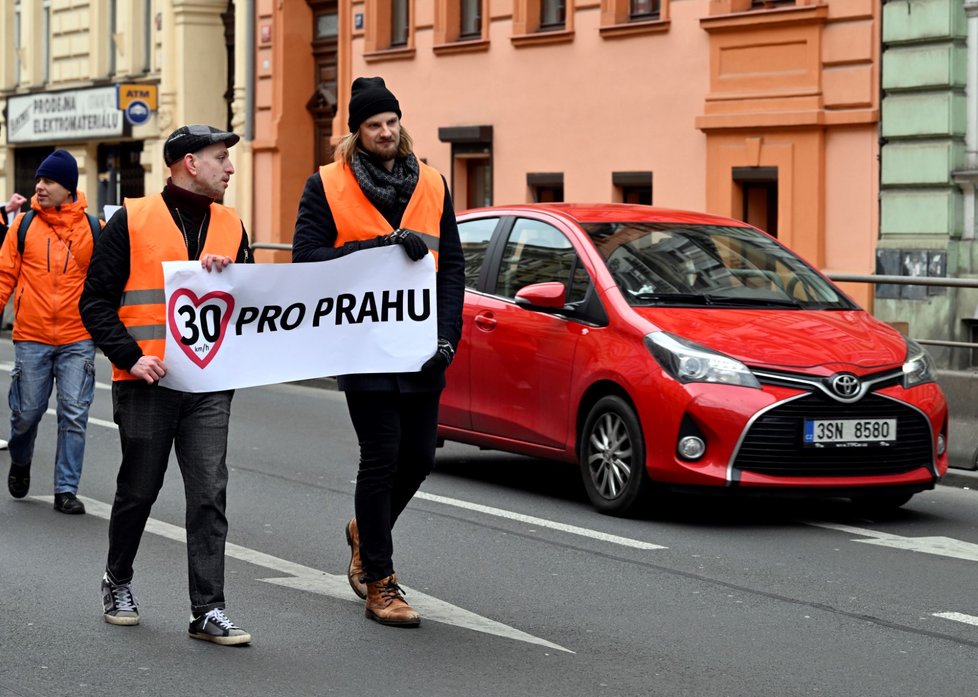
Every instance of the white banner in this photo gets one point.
(257, 324)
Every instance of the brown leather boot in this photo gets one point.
(355, 571)
(385, 604)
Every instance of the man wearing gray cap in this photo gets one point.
(122, 307)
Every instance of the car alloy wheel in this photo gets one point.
(612, 457)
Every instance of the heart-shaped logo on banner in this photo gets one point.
(199, 324)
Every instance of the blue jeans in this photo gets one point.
(36, 368)
(152, 421)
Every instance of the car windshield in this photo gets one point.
(709, 265)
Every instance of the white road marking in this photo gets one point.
(940, 546)
(315, 581)
(539, 522)
(957, 617)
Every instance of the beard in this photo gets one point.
(384, 151)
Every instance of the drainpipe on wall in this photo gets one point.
(967, 178)
(249, 133)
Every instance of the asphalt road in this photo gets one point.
(524, 589)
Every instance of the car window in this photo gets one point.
(475, 236)
(536, 252)
(663, 264)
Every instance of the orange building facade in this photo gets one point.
(762, 110)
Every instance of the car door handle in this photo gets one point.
(485, 321)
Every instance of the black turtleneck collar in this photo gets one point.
(187, 201)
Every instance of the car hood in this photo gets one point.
(787, 339)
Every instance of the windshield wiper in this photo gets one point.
(673, 298)
(769, 302)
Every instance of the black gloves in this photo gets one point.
(411, 241)
(442, 358)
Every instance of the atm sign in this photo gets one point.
(129, 93)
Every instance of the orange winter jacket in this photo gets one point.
(46, 282)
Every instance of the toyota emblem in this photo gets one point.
(846, 385)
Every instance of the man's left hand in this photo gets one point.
(215, 262)
(442, 358)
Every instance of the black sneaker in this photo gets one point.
(119, 605)
(19, 480)
(215, 626)
(67, 503)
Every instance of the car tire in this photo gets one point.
(880, 503)
(612, 457)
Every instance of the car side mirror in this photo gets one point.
(542, 296)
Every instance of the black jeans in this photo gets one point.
(151, 421)
(397, 432)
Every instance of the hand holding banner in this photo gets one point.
(258, 324)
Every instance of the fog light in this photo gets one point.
(941, 444)
(691, 448)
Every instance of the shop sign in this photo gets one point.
(59, 116)
(137, 92)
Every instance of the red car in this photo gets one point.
(662, 347)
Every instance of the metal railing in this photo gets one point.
(839, 277)
(913, 281)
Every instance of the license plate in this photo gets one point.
(822, 433)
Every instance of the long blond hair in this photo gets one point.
(347, 147)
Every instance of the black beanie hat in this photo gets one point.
(60, 167)
(368, 97)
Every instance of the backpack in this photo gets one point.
(29, 218)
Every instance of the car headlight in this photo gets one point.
(919, 367)
(689, 362)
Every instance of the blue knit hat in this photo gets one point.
(60, 167)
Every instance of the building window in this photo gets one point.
(399, 23)
(471, 164)
(542, 22)
(553, 15)
(545, 187)
(642, 10)
(624, 18)
(147, 35)
(18, 44)
(633, 187)
(388, 33)
(46, 39)
(769, 4)
(470, 21)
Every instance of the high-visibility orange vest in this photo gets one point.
(356, 217)
(153, 239)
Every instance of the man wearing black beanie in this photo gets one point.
(377, 193)
(46, 255)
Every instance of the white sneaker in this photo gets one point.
(3, 444)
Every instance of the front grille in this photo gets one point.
(773, 445)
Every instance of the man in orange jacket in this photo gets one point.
(50, 342)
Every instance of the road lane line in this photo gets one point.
(957, 617)
(539, 522)
(312, 580)
(939, 546)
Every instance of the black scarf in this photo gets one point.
(389, 191)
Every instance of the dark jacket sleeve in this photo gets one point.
(450, 278)
(315, 231)
(107, 276)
